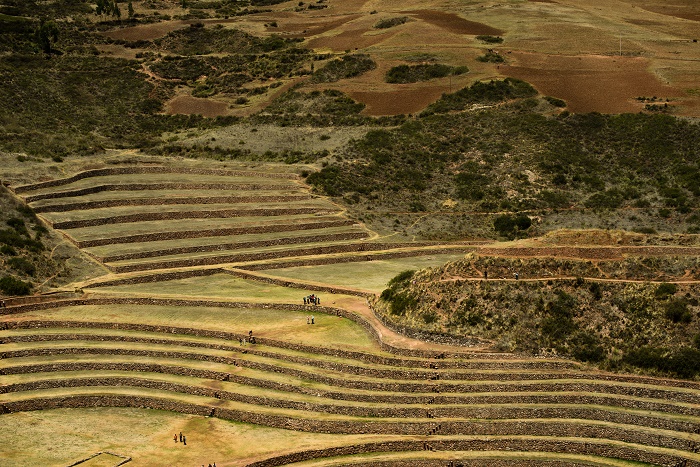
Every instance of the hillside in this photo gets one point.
(349, 232)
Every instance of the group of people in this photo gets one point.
(183, 439)
(2, 304)
(312, 300)
(251, 339)
(310, 320)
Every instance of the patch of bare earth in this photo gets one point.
(146, 32)
(347, 40)
(298, 26)
(689, 12)
(454, 23)
(400, 101)
(189, 105)
(590, 83)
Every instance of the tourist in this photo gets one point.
(312, 320)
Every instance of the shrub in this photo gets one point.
(587, 347)
(684, 362)
(555, 101)
(429, 317)
(402, 278)
(490, 39)
(558, 322)
(491, 57)
(413, 73)
(8, 250)
(10, 285)
(401, 303)
(344, 67)
(390, 22)
(509, 225)
(664, 290)
(22, 265)
(677, 311)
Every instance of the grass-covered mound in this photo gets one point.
(29, 254)
(613, 317)
(346, 66)
(402, 74)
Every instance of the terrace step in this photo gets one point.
(131, 170)
(306, 224)
(88, 205)
(318, 422)
(180, 215)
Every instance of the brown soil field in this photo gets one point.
(400, 101)
(297, 26)
(689, 10)
(194, 105)
(454, 23)
(590, 83)
(354, 39)
(146, 32)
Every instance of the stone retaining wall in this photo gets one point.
(199, 233)
(356, 259)
(243, 274)
(257, 256)
(149, 170)
(512, 428)
(586, 447)
(539, 364)
(177, 215)
(170, 186)
(113, 203)
(442, 387)
(499, 392)
(497, 415)
(239, 245)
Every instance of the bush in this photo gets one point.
(555, 101)
(587, 347)
(664, 290)
(491, 57)
(22, 265)
(683, 362)
(403, 74)
(509, 225)
(490, 39)
(390, 22)
(677, 311)
(347, 66)
(8, 250)
(10, 285)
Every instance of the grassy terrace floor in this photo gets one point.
(118, 230)
(277, 324)
(166, 245)
(127, 210)
(371, 276)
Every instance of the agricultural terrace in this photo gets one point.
(200, 327)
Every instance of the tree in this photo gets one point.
(47, 32)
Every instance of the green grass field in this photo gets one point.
(329, 331)
(370, 275)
